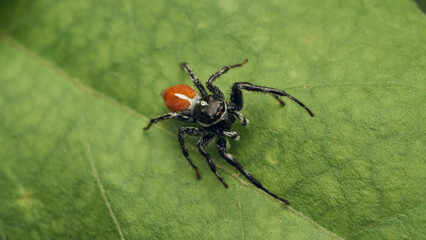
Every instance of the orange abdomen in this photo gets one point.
(180, 97)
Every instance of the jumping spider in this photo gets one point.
(215, 116)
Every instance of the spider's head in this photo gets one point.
(210, 111)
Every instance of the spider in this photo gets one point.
(215, 117)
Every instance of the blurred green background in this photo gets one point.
(79, 79)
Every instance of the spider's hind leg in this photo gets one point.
(233, 135)
(221, 147)
(192, 131)
(201, 147)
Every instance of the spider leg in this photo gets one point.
(278, 99)
(201, 144)
(221, 147)
(244, 121)
(171, 115)
(192, 131)
(215, 90)
(237, 96)
(233, 135)
(195, 80)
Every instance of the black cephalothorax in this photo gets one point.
(215, 116)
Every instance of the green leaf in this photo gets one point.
(79, 80)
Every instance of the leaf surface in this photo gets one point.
(78, 81)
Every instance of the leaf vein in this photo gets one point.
(378, 221)
(98, 179)
(306, 179)
(315, 224)
(240, 210)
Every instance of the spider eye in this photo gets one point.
(220, 110)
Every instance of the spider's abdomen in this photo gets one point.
(180, 98)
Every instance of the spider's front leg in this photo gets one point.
(172, 115)
(214, 89)
(237, 95)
